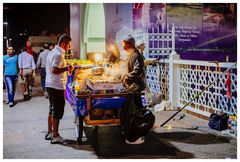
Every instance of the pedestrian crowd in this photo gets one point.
(53, 69)
(22, 68)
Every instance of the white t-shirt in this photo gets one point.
(56, 58)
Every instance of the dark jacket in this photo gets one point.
(136, 72)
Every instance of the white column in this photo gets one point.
(174, 77)
(173, 38)
(146, 40)
(174, 74)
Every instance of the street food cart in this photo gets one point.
(94, 97)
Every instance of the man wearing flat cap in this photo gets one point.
(133, 82)
(135, 64)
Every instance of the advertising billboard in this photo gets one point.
(202, 31)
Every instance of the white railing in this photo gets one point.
(195, 76)
(186, 78)
(158, 79)
(157, 42)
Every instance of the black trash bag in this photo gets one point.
(135, 122)
(143, 122)
(218, 122)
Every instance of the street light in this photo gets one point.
(10, 41)
(6, 23)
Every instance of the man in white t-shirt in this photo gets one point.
(56, 79)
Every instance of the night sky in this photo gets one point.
(35, 18)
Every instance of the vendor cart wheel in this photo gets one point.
(79, 128)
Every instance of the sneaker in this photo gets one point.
(48, 136)
(57, 140)
(140, 140)
(30, 91)
(11, 104)
(46, 94)
(25, 97)
(29, 97)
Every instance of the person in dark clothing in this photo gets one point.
(140, 45)
(134, 81)
(41, 64)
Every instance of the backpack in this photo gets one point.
(136, 122)
(218, 122)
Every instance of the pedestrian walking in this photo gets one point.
(10, 62)
(41, 64)
(27, 68)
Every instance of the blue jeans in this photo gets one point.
(43, 77)
(11, 81)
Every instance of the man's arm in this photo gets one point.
(56, 65)
(150, 62)
(33, 64)
(33, 67)
(56, 70)
(39, 61)
(20, 65)
(3, 64)
(17, 64)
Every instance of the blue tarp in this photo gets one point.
(108, 103)
(80, 105)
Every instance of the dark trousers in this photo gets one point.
(132, 105)
(43, 78)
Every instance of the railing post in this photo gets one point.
(173, 37)
(174, 74)
(174, 78)
(146, 40)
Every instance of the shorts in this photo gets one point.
(57, 102)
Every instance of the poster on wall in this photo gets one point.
(117, 16)
(118, 22)
(147, 15)
(202, 31)
(187, 19)
(219, 31)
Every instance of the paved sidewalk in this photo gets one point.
(25, 124)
